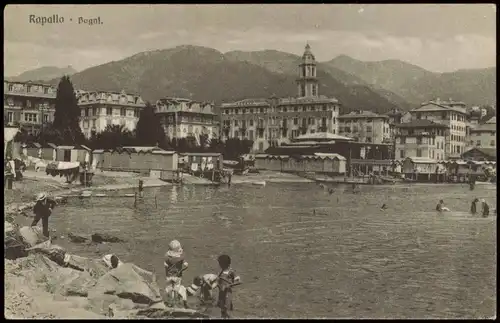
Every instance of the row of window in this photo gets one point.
(29, 88)
(189, 119)
(250, 134)
(28, 117)
(314, 90)
(479, 143)
(28, 104)
(311, 108)
(432, 154)
(89, 112)
(444, 116)
(283, 122)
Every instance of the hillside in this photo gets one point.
(205, 74)
(416, 85)
(286, 63)
(474, 87)
(45, 73)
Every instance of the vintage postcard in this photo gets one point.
(250, 161)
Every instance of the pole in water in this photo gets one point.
(135, 199)
(156, 202)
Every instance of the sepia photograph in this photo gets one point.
(237, 161)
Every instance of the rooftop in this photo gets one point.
(422, 123)
(490, 152)
(362, 114)
(321, 135)
(492, 120)
(486, 127)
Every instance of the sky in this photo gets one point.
(440, 38)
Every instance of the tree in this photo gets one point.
(113, 136)
(149, 131)
(67, 114)
(235, 147)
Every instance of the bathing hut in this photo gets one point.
(330, 163)
(151, 160)
(32, 149)
(48, 151)
(77, 153)
(420, 168)
(201, 161)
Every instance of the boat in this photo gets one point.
(260, 183)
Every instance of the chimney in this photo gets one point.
(438, 100)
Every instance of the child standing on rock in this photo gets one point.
(175, 264)
(227, 279)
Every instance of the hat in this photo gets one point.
(174, 249)
(41, 196)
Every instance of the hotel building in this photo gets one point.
(365, 126)
(484, 135)
(29, 105)
(421, 138)
(100, 109)
(32, 106)
(270, 122)
(182, 118)
(449, 113)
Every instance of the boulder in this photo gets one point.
(72, 282)
(77, 238)
(13, 246)
(31, 236)
(95, 267)
(54, 252)
(104, 237)
(129, 282)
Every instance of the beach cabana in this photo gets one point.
(77, 153)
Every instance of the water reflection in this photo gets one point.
(173, 194)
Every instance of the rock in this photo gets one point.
(170, 312)
(31, 236)
(130, 282)
(104, 237)
(54, 252)
(77, 238)
(72, 282)
(95, 267)
(9, 229)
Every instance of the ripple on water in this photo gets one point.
(305, 253)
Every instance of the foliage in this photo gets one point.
(149, 131)
(67, 114)
(113, 136)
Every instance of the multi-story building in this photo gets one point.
(182, 118)
(421, 138)
(29, 105)
(270, 122)
(483, 135)
(449, 113)
(365, 126)
(100, 109)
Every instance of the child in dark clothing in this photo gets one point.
(227, 279)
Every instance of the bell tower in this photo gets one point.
(307, 83)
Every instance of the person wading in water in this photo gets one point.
(42, 210)
(473, 206)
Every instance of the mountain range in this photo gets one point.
(206, 74)
(45, 73)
